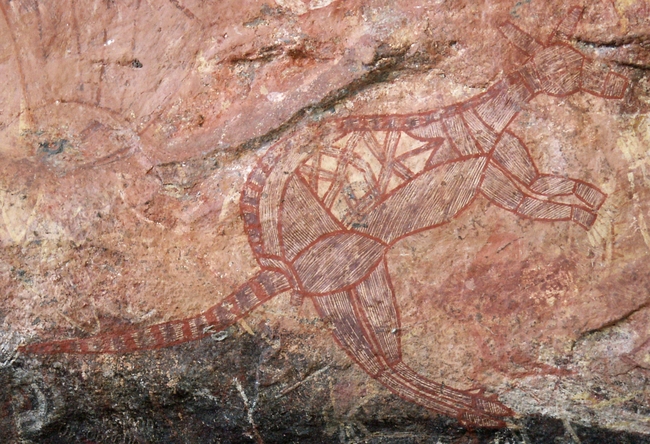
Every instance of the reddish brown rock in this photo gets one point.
(128, 132)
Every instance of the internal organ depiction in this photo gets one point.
(320, 218)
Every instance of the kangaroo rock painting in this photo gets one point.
(321, 215)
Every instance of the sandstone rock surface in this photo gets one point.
(128, 131)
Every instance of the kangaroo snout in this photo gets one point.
(615, 86)
(598, 79)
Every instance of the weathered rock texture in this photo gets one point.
(128, 130)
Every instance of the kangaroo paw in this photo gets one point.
(472, 420)
(583, 217)
(589, 194)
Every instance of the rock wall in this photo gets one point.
(324, 221)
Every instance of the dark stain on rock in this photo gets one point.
(388, 63)
(53, 147)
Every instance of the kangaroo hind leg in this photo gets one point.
(366, 325)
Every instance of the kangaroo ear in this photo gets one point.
(567, 26)
(520, 39)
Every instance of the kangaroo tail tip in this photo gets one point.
(50, 348)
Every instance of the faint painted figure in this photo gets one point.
(322, 214)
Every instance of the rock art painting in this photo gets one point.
(322, 221)
(322, 213)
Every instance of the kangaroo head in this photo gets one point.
(559, 68)
(562, 70)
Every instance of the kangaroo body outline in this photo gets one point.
(320, 219)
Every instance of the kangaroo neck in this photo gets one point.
(501, 103)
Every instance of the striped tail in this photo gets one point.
(257, 290)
